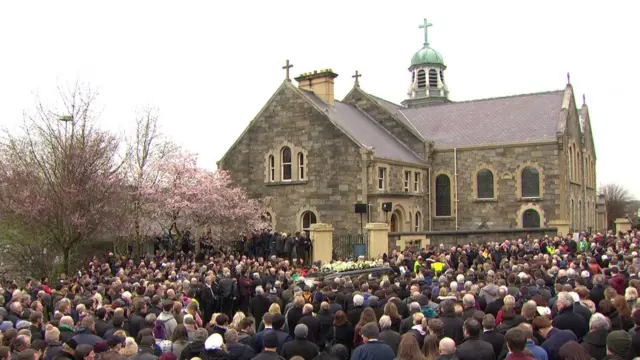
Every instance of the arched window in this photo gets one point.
(285, 156)
(571, 163)
(579, 218)
(433, 79)
(530, 179)
(308, 218)
(530, 219)
(484, 182)
(443, 195)
(572, 217)
(422, 79)
(417, 224)
(579, 167)
(272, 168)
(301, 173)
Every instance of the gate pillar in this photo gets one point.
(321, 236)
(378, 239)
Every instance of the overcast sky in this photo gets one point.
(209, 66)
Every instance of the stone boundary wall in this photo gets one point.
(399, 240)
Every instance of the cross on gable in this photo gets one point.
(286, 67)
(425, 25)
(357, 76)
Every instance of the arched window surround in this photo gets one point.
(286, 164)
(300, 216)
(278, 166)
(302, 166)
(443, 211)
(530, 206)
(541, 181)
(417, 222)
(474, 182)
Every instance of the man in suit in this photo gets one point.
(208, 299)
(490, 334)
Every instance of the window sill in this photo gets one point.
(444, 217)
(530, 199)
(575, 182)
(293, 182)
(395, 193)
(485, 200)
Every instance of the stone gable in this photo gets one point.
(334, 177)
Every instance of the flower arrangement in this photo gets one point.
(340, 266)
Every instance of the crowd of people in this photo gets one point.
(554, 298)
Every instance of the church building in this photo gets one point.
(521, 161)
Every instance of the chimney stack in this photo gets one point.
(320, 83)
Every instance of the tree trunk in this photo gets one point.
(65, 258)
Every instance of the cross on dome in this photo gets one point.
(425, 25)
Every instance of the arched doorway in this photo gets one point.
(308, 218)
(393, 223)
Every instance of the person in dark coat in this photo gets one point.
(237, 350)
(595, 342)
(294, 314)
(52, 340)
(101, 322)
(372, 349)
(259, 305)
(326, 322)
(596, 294)
(209, 297)
(388, 336)
(270, 348)
(137, 318)
(245, 289)
(66, 329)
(272, 324)
(193, 349)
(314, 328)
(341, 332)
(472, 348)
(358, 306)
(452, 324)
(300, 346)
(85, 334)
(490, 334)
(567, 319)
(554, 338)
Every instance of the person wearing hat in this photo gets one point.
(214, 348)
(194, 348)
(372, 349)
(146, 349)
(618, 345)
(52, 339)
(300, 346)
(270, 347)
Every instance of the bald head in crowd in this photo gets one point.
(447, 346)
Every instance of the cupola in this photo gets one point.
(427, 75)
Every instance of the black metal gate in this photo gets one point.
(349, 247)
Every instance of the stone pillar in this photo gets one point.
(321, 236)
(561, 225)
(623, 224)
(378, 239)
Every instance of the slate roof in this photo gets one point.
(365, 130)
(512, 119)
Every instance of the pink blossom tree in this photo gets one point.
(186, 197)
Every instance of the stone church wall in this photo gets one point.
(505, 163)
(334, 177)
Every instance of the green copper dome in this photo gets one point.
(427, 55)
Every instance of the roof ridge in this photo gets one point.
(402, 143)
(492, 98)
